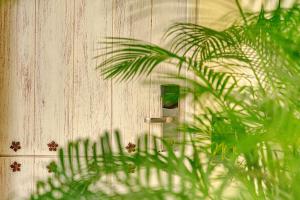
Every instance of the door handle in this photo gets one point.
(159, 120)
(168, 117)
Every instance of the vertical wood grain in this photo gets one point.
(41, 172)
(17, 37)
(130, 99)
(163, 16)
(92, 95)
(54, 73)
(16, 185)
(192, 17)
(49, 87)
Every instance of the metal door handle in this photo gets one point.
(159, 120)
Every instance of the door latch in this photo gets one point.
(170, 113)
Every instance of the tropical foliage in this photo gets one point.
(242, 144)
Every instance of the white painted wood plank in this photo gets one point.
(193, 13)
(16, 185)
(92, 94)
(17, 37)
(41, 170)
(54, 73)
(163, 16)
(130, 101)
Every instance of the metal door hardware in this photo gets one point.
(170, 113)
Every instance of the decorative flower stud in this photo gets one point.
(52, 167)
(15, 166)
(131, 168)
(49, 168)
(15, 146)
(130, 147)
(52, 146)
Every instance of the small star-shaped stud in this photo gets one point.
(52, 146)
(15, 146)
(131, 168)
(52, 167)
(15, 166)
(130, 147)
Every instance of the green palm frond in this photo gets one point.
(246, 137)
(203, 44)
(129, 58)
(146, 174)
(270, 34)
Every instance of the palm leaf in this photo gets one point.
(254, 127)
(129, 58)
(77, 176)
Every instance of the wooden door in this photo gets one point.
(50, 91)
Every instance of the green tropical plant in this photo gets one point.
(243, 145)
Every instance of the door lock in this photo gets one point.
(170, 113)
